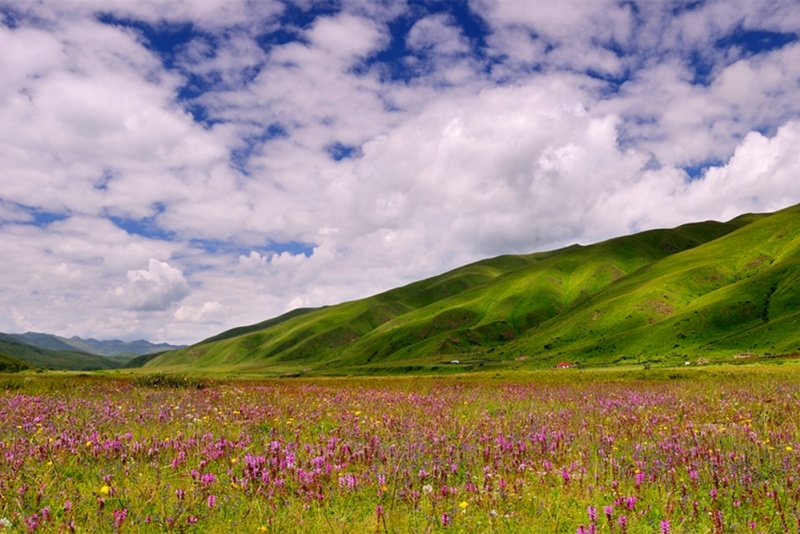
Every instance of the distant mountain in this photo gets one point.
(55, 359)
(707, 290)
(53, 352)
(113, 347)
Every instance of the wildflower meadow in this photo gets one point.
(569, 451)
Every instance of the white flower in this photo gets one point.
(5, 523)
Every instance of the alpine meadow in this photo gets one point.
(627, 439)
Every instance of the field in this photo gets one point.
(574, 451)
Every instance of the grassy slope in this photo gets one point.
(734, 294)
(625, 297)
(12, 365)
(54, 359)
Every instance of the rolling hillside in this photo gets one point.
(54, 359)
(12, 365)
(709, 290)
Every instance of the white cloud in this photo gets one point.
(153, 289)
(95, 126)
(208, 313)
(760, 177)
(437, 32)
(445, 52)
(479, 173)
(684, 123)
(346, 37)
(570, 34)
(208, 14)
(228, 61)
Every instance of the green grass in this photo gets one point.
(702, 290)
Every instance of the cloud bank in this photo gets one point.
(172, 169)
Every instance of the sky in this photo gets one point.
(170, 169)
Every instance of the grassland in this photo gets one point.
(703, 291)
(628, 451)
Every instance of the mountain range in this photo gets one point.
(55, 352)
(707, 291)
(110, 347)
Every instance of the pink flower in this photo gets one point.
(609, 512)
(212, 501)
(119, 517)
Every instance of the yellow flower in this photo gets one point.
(104, 490)
(463, 504)
(262, 528)
(789, 448)
(88, 443)
(234, 460)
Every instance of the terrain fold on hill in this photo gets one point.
(707, 290)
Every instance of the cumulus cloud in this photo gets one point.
(566, 34)
(209, 14)
(208, 313)
(153, 289)
(486, 172)
(761, 176)
(84, 130)
(683, 123)
(438, 33)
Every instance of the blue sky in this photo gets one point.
(171, 169)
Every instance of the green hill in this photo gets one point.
(54, 359)
(709, 290)
(12, 365)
